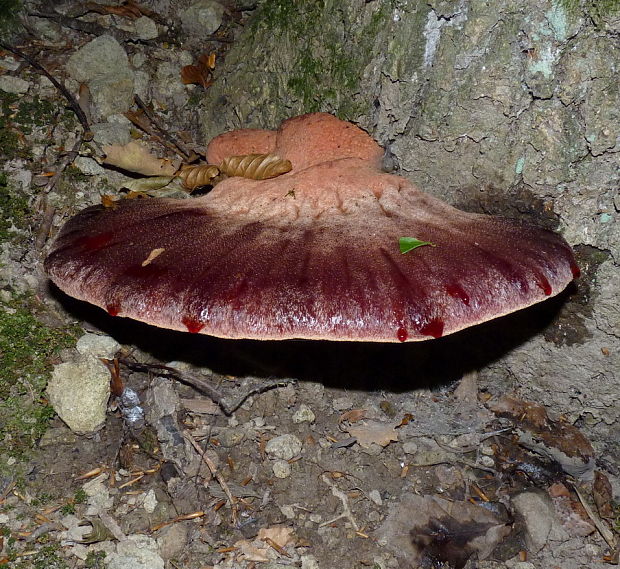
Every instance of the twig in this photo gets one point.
(201, 384)
(346, 511)
(178, 146)
(605, 532)
(216, 473)
(46, 224)
(75, 107)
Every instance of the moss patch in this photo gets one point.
(14, 208)
(27, 348)
(597, 10)
(327, 66)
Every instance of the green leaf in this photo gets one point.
(407, 244)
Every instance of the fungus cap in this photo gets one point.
(310, 254)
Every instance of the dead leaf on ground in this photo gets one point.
(570, 512)
(258, 550)
(352, 416)
(556, 439)
(373, 432)
(428, 530)
(603, 495)
(128, 9)
(201, 73)
(135, 157)
(200, 406)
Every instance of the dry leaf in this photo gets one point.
(201, 73)
(570, 512)
(281, 535)
(127, 10)
(250, 552)
(255, 166)
(373, 432)
(200, 406)
(554, 439)
(109, 201)
(195, 176)
(153, 255)
(603, 495)
(135, 157)
(352, 416)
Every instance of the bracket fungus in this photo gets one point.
(313, 253)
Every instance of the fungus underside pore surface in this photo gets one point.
(310, 254)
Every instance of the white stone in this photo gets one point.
(375, 497)
(15, 85)
(149, 502)
(79, 391)
(136, 552)
(202, 18)
(283, 447)
(304, 415)
(100, 346)
(281, 469)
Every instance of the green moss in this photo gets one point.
(95, 560)
(34, 112)
(597, 10)
(46, 558)
(26, 350)
(327, 68)
(13, 207)
(8, 16)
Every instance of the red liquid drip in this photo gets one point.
(95, 242)
(434, 328)
(193, 326)
(456, 291)
(402, 334)
(575, 270)
(113, 308)
(542, 282)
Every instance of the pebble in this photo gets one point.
(149, 502)
(15, 85)
(229, 438)
(304, 415)
(97, 345)
(172, 540)
(410, 447)
(536, 512)
(281, 469)
(283, 447)
(375, 497)
(202, 18)
(288, 512)
(136, 552)
(309, 562)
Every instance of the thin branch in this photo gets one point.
(216, 473)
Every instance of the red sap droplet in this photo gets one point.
(456, 291)
(433, 328)
(113, 308)
(543, 282)
(402, 334)
(575, 270)
(193, 326)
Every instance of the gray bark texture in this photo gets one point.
(508, 108)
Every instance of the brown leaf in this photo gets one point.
(553, 438)
(373, 432)
(255, 166)
(128, 9)
(281, 535)
(603, 495)
(108, 200)
(570, 512)
(201, 73)
(352, 416)
(195, 176)
(135, 157)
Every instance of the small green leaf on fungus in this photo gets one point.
(407, 244)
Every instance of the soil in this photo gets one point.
(325, 443)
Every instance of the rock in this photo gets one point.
(99, 498)
(309, 562)
(375, 497)
(88, 166)
(172, 540)
(111, 86)
(202, 18)
(149, 501)
(230, 437)
(304, 415)
(15, 85)
(58, 436)
(145, 28)
(281, 469)
(283, 447)
(536, 512)
(99, 346)
(115, 131)
(410, 447)
(79, 391)
(136, 552)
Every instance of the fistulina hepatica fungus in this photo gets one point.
(313, 253)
